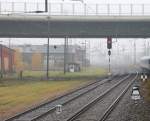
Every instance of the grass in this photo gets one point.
(86, 73)
(147, 90)
(15, 95)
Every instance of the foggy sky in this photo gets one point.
(86, 1)
(98, 46)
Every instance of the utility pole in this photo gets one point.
(1, 47)
(85, 56)
(48, 32)
(84, 59)
(148, 48)
(46, 5)
(134, 52)
(47, 71)
(145, 48)
(10, 56)
(89, 53)
(1, 60)
(65, 53)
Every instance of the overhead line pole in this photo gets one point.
(46, 5)
(1, 47)
(47, 71)
(134, 52)
(65, 52)
(85, 55)
(10, 56)
(109, 65)
(46, 10)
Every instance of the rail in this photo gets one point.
(93, 102)
(114, 104)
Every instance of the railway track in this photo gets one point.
(100, 108)
(42, 112)
(72, 105)
(43, 109)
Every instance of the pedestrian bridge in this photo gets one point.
(71, 20)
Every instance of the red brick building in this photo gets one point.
(6, 59)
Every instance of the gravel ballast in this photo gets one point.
(73, 106)
(130, 110)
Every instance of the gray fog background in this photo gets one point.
(86, 1)
(96, 48)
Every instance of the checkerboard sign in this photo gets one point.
(144, 77)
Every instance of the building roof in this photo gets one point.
(7, 47)
(43, 48)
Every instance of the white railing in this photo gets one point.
(76, 8)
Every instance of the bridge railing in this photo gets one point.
(76, 8)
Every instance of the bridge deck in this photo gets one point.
(74, 26)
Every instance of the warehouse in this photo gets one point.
(6, 59)
(34, 57)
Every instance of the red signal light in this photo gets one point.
(109, 42)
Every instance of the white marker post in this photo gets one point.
(142, 77)
(58, 109)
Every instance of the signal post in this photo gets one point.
(109, 47)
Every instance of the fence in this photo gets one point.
(76, 8)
